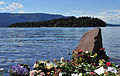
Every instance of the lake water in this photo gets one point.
(26, 45)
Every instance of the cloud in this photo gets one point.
(103, 13)
(14, 6)
(78, 11)
(109, 16)
(1, 8)
(2, 2)
(22, 11)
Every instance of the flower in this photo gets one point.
(67, 60)
(35, 65)
(55, 69)
(62, 59)
(91, 73)
(1, 69)
(95, 54)
(19, 70)
(38, 73)
(74, 51)
(59, 70)
(102, 49)
(42, 74)
(49, 66)
(79, 51)
(77, 55)
(48, 73)
(87, 52)
(33, 72)
(108, 63)
(80, 74)
(55, 60)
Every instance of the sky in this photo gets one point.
(107, 10)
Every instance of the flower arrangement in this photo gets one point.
(82, 63)
(43, 68)
(19, 70)
(37, 73)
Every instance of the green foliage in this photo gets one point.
(65, 22)
(1, 75)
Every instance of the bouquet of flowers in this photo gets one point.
(19, 70)
(45, 67)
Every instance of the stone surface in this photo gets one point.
(91, 41)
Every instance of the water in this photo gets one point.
(26, 45)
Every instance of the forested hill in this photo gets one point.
(65, 22)
(7, 19)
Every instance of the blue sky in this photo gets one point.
(107, 10)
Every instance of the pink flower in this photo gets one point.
(74, 51)
(91, 73)
(39, 71)
(33, 72)
(77, 55)
(42, 74)
(108, 63)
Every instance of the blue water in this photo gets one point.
(26, 45)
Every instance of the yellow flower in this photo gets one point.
(55, 60)
(80, 58)
(95, 54)
(49, 66)
(48, 73)
(47, 61)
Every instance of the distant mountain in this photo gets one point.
(7, 19)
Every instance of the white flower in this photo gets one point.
(62, 59)
(92, 56)
(41, 62)
(82, 63)
(116, 65)
(86, 52)
(21, 66)
(1, 69)
(87, 72)
(35, 65)
(80, 74)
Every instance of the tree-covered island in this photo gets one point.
(65, 22)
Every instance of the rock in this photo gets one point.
(91, 41)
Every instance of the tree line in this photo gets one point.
(65, 22)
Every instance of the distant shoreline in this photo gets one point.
(65, 22)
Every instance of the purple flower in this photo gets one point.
(19, 70)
